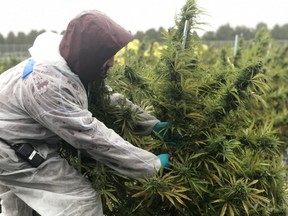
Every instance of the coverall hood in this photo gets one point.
(90, 39)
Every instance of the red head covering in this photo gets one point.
(90, 39)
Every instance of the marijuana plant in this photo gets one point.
(228, 158)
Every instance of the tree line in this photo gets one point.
(20, 37)
(224, 32)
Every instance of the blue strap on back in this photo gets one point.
(28, 68)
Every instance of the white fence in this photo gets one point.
(15, 51)
(20, 51)
(231, 43)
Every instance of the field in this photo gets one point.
(227, 106)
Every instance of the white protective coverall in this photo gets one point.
(47, 106)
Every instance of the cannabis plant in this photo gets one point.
(227, 119)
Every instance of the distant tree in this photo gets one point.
(260, 26)
(225, 32)
(32, 35)
(139, 35)
(151, 35)
(285, 31)
(209, 36)
(276, 31)
(10, 38)
(21, 38)
(244, 32)
(280, 32)
(2, 39)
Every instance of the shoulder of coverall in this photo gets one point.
(52, 87)
(90, 39)
(46, 58)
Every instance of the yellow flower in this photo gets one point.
(134, 45)
(131, 48)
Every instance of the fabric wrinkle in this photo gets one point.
(50, 105)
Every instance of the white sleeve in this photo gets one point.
(57, 103)
(146, 123)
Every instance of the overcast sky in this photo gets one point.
(134, 15)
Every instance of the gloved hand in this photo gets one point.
(165, 160)
(161, 129)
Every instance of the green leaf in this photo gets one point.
(223, 210)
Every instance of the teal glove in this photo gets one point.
(160, 126)
(165, 160)
(161, 129)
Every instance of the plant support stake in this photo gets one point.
(235, 45)
(185, 33)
